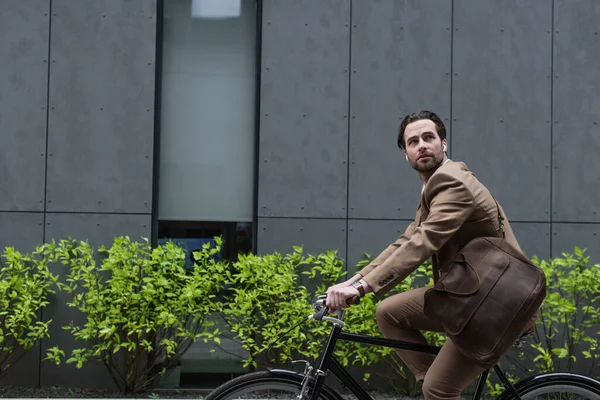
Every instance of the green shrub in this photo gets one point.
(267, 298)
(25, 283)
(568, 326)
(142, 310)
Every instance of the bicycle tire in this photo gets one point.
(274, 380)
(545, 386)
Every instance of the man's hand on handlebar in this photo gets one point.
(340, 296)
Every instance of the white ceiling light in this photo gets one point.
(216, 9)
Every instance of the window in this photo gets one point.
(208, 137)
(208, 111)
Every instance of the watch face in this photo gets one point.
(356, 284)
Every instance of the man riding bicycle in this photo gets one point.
(454, 209)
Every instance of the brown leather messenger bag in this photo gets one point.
(487, 297)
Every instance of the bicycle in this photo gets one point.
(289, 384)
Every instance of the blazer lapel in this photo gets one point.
(420, 209)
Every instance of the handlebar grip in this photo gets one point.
(353, 300)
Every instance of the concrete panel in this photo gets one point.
(534, 238)
(566, 236)
(101, 123)
(98, 230)
(315, 235)
(576, 136)
(23, 231)
(399, 65)
(304, 106)
(24, 29)
(501, 102)
(371, 237)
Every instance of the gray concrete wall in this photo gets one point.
(77, 128)
(515, 82)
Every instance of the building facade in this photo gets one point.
(274, 123)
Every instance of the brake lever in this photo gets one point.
(320, 314)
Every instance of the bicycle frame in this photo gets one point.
(330, 363)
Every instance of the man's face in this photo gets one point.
(423, 146)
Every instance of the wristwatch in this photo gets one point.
(359, 286)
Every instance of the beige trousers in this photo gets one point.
(444, 376)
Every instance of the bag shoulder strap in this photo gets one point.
(500, 218)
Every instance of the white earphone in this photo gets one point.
(444, 147)
(406, 158)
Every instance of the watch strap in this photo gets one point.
(359, 286)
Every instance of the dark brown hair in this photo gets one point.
(423, 114)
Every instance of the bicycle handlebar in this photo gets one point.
(321, 309)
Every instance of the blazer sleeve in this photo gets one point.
(388, 251)
(450, 205)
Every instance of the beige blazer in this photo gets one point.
(454, 209)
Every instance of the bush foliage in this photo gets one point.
(25, 284)
(142, 310)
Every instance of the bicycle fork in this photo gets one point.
(318, 375)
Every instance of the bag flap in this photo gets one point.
(490, 269)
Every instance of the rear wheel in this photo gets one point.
(267, 385)
(558, 387)
(560, 392)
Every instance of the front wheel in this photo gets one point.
(276, 384)
(555, 387)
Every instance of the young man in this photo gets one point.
(454, 209)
